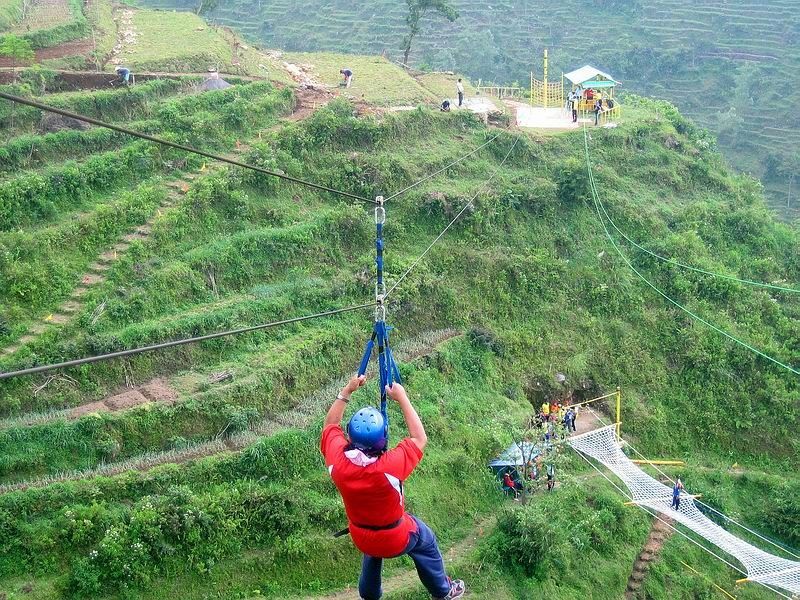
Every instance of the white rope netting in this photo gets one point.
(759, 566)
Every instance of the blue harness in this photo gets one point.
(388, 372)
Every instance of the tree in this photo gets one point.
(788, 167)
(17, 49)
(205, 6)
(416, 10)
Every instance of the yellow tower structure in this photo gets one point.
(545, 93)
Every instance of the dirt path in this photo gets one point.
(587, 420)
(127, 35)
(97, 271)
(659, 533)
(541, 118)
(73, 48)
(408, 578)
(299, 416)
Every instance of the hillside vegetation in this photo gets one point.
(726, 64)
(215, 487)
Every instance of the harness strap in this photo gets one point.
(380, 527)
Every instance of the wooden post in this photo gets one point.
(531, 88)
(619, 415)
(544, 83)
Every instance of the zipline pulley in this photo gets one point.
(388, 372)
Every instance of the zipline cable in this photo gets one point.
(163, 345)
(450, 224)
(690, 267)
(163, 142)
(656, 289)
(435, 173)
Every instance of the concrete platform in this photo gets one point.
(543, 118)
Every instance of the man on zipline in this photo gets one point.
(370, 479)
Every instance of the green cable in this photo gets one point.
(689, 267)
(695, 316)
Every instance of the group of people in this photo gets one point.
(598, 101)
(445, 105)
(513, 484)
(557, 413)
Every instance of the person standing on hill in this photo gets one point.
(676, 494)
(370, 480)
(598, 108)
(460, 90)
(347, 74)
(551, 477)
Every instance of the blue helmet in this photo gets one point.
(367, 430)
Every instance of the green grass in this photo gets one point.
(527, 276)
(45, 15)
(375, 79)
(156, 47)
(10, 12)
(443, 85)
(104, 29)
(667, 50)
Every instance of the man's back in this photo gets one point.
(372, 491)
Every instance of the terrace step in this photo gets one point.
(70, 307)
(99, 267)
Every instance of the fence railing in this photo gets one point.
(501, 91)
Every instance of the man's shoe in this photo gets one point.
(457, 590)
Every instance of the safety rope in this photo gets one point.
(689, 267)
(435, 173)
(163, 142)
(181, 342)
(595, 197)
(452, 222)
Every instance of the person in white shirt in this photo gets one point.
(460, 90)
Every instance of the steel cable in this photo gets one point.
(163, 142)
(181, 342)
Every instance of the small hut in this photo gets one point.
(513, 460)
(592, 83)
(589, 78)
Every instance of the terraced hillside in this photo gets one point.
(193, 472)
(728, 64)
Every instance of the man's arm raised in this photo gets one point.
(336, 411)
(415, 428)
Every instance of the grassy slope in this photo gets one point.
(278, 251)
(45, 15)
(375, 79)
(690, 52)
(200, 45)
(104, 29)
(9, 12)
